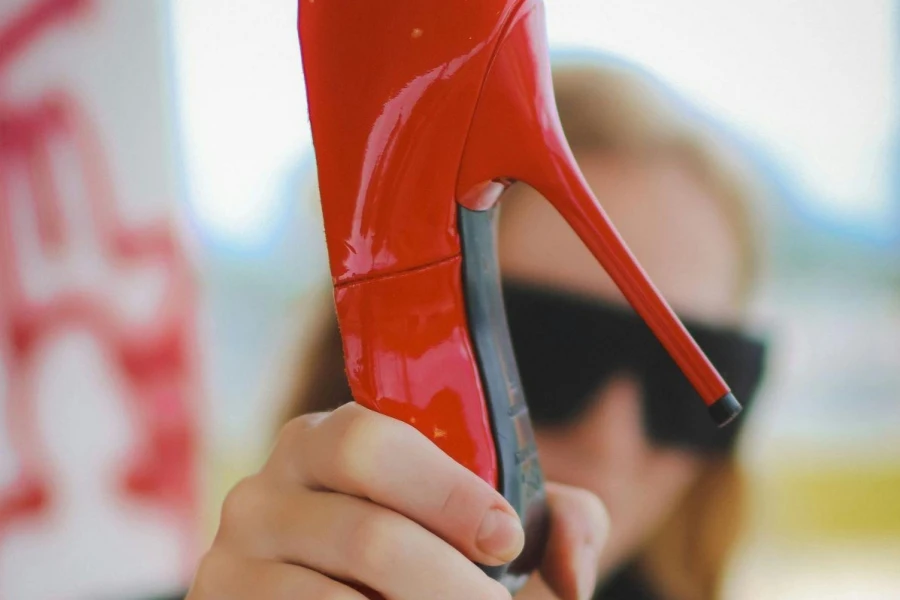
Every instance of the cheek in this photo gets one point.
(638, 490)
(643, 502)
(608, 454)
(660, 486)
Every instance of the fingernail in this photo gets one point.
(587, 574)
(500, 535)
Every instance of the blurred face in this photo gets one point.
(682, 238)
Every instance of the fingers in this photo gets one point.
(351, 540)
(225, 577)
(578, 531)
(356, 500)
(361, 453)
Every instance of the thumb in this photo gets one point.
(579, 526)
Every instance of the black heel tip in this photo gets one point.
(725, 409)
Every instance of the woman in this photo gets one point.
(351, 496)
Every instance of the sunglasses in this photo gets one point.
(568, 346)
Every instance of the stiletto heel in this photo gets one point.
(516, 135)
(422, 112)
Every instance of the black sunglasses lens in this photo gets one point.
(559, 365)
(567, 347)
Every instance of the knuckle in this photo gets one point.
(455, 497)
(358, 444)
(465, 500)
(463, 507)
(296, 428)
(373, 544)
(288, 460)
(244, 503)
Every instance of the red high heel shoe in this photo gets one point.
(422, 113)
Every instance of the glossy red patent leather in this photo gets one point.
(392, 87)
(409, 115)
(409, 355)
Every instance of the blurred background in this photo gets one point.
(146, 341)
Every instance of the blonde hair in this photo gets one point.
(620, 111)
(616, 110)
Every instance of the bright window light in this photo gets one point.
(812, 83)
(243, 113)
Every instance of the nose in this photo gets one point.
(614, 423)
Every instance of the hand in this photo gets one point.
(354, 499)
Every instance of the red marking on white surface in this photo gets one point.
(153, 355)
(32, 22)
